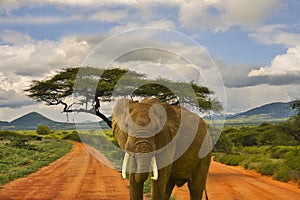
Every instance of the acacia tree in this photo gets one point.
(91, 86)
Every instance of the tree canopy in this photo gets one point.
(91, 86)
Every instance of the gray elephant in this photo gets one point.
(167, 141)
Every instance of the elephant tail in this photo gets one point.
(205, 192)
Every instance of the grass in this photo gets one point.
(22, 154)
(280, 162)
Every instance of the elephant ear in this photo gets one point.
(121, 110)
(158, 115)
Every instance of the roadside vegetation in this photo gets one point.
(103, 141)
(270, 149)
(24, 152)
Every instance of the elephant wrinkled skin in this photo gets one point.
(166, 138)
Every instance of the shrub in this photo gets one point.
(282, 175)
(74, 136)
(234, 160)
(256, 150)
(43, 130)
(293, 159)
(224, 144)
(268, 168)
(280, 151)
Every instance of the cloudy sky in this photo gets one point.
(254, 43)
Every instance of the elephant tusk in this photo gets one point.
(124, 166)
(154, 169)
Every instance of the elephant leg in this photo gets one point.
(197, 184)
(135, 189)
(158, 187)
(169, 189)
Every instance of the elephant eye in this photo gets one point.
(126, 125)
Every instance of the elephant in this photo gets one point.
(168, 141)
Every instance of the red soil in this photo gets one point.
(235, 183)
(79, 175)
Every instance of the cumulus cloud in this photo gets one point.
(287, 64)
(247, 12)
(13, 99)
(108, 16)
(216, 15)
(167, 24)
(220, 15)
(23, 55)
(22, 59)
(284, 68)
(278, 34)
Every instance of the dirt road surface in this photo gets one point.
(234, 183)
(78, 175)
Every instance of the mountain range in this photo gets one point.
(278, 111)
(31, 121)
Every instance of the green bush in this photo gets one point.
(280, 151)
(43, 130)
(74, 136)
(224, 144)
(268, 168)
(234, 160)
(282, 175)
(293, 159)
(256, 150)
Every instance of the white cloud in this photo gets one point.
(196, 15)
(220, 15)
(285, 64)
(216, 15)
(39, 20)
(12, 99)
(247, 12)
(23, 55)
(166, 24)
(109, 16)
(278, 34)
(9, 5)
(23, 59)
(284, 68)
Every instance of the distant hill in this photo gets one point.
(269, 112)
(278, 110)
(31, 120)
(3, 123)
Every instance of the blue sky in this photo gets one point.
(255, 43)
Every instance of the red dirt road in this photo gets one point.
(78, 175)
(234, 183)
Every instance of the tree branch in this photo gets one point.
(96, 111)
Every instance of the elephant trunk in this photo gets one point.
(142, 168)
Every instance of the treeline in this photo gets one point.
(285, 133)
(270, 149)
